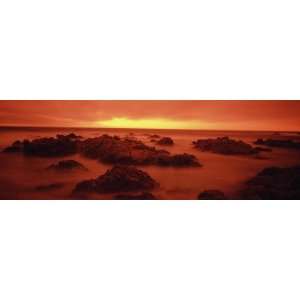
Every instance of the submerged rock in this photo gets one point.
(225, 145)
(49, 187)
(154, 136)
(278, 143)
(274, 183)
(118, 179)
(166, 141)
(142, 196)
(114, 150)
(66, 165)
(212, 195)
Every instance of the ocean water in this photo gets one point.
(20, 175)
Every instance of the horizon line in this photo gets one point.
(182, 129)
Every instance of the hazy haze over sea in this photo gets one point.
(20, 174)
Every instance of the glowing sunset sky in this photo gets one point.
(223, 115)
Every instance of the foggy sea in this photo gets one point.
(20, 175)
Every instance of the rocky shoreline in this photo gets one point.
(126, 181)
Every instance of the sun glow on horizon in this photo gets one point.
(158, 123)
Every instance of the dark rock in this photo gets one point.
(51, 147)
(66, 165)
(178, 160)
(17, 146)
(118, 179)
(225, 146)
(274, 183)
(166, 141)
(47, 147)
(278, 143)
(119, 151)
(69, 136)
(49, 187)
(114, 150)
(212, 195)
(142, 196)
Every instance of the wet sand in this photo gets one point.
(20, 175)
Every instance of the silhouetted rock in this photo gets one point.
(48, 147)
(69, 136)
(114, 150)
(110, 149)
(49, 187)
(225, 146)
(66, 165)
(274, 183)
(142, 196)
(166, 141)
(17, 146)
(178, 160)
(212, 195)
(278, 143)
(118, 179)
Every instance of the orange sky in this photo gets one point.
(223, 115)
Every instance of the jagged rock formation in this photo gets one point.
(118, 179)
(225, 145)
(290, 144)
(47, 147)
(107, 149)
(274, 183)
(115, 150)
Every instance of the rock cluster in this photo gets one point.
(278, 143)
(61, 145)
(115, 150)
(118, 179)
(274, 183)
(107, 149)
(225, 145)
